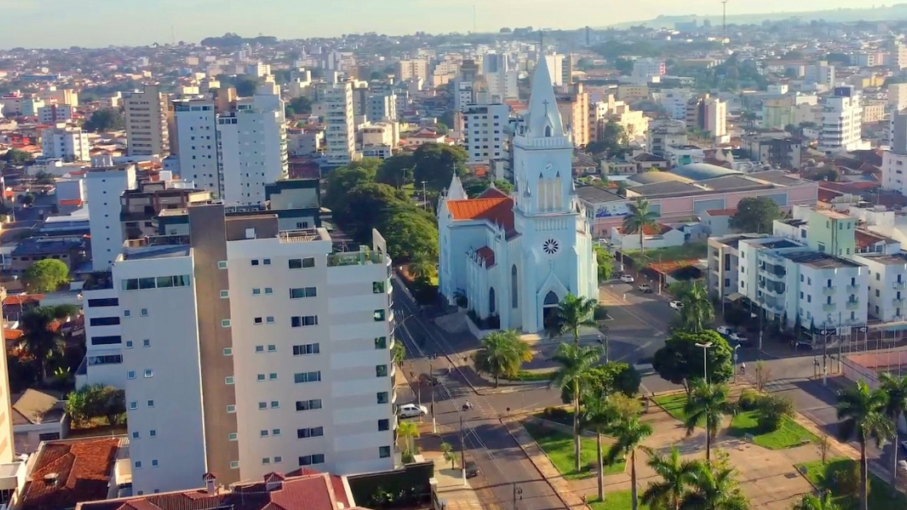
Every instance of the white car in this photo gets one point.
(677, 305)
(626, 278)
(411, 411)
(723, 330)
(734, 337)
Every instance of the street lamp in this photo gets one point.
(431, 382)
(705, 360)
(735, 362)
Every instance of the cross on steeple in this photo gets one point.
(545, 102)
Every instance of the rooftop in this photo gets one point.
(497, 210)
(721, 212)
(896, 259)
(596, 195)
(65, 473)
(34, 407)
(818, 260)
(42, 246)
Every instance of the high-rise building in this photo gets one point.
(646, 68)
(7, 445)
(708, 114)
(567, 71)
(381, 107)
(54, 113)
(340, 132)
(196, 135)
(556, 68)
(483, 132)
(898, 55)
(574, 110)
(413, 68)
(284, 352)
(103, 187)
(897, 96)
(842, 118)
(146, 122)
(894, 161)
(65, 142)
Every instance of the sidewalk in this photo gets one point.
(450, 486)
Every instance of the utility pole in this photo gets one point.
(517, 491)
(462, 452)
(724, 20)
(431, 382)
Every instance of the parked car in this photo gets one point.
(723, 330)
(734, 337)
(802, 346)
(411, 411)
(645, 288)
(677, 305)
(627, 278)
(472, 469)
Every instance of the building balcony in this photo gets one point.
(853, 304)
(828, 291)
(853, 289)
(899, 285)
(897, 302)
(829, 307)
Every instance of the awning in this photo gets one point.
(734, 296)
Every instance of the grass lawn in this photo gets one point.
(788, 435)
(616, 501)
(559, 448)
(525, 376)
(674, 404)
(879, 491)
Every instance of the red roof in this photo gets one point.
(82, 469)
(864, 239)
(23, 300)
(497, 210)
(649, 230)
(297, 490)
(486, 254)
(722, 212)
(71, 201)
(492, 192)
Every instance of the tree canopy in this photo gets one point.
(16, 157)
(680, 360)
(299, 105)
(46, 275)
(245, 85)
(396, 171)
(435, 164)
(607, 379)
(341, 180)
(106, 119)
(756, 215)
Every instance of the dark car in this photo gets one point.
(802, 346)
(472, 469)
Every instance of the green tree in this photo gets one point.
(713, 487)
(423, 267)
(502, 354)
(607, 379)
(707, 404)
(449, 455)
(573, 313)
(46, 275)
(341, 180)
(640, 218)
(42, 177)
(697, 312)
(408, 431)
(813, 502)
(895, 388)
(675, 474)
(600, 415)
(301, 105)
(106, 119)
(862, 411)
(436, 164)
(365, 206)
(410, 235)
(396, 171)
(39, 340)
(630, 432)
(245, 85)
(614, 138)
(680, 360)
(398, 353)
(16, 157)
(605, 261)
(575, 363)
(755, 215)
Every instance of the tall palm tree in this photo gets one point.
(697, 311)
(895, 389)
(640, 218)
(862, 411)
(39, 340)
(706, 403)
(573, 313)
(408, 432)
(713, 487)
(600, 416)
(812, 502)
(630, 432)
(675, 474)
(502, 354)
(575, 362)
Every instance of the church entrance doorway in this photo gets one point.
(549, 309)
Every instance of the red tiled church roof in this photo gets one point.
(498, 210)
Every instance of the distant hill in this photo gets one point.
(888, 13)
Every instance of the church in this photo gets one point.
(515, 257)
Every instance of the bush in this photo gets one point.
(556, 413)
(748, 400)
(843, 478)
(773, 410)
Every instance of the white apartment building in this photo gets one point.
(675, 102)
(556, 67)
(65, 142)
(887, 284)
(103, 188)
(54, 113)
(842, 115)
(196, 135)
(412, 68)
(714, 118)
(381, 107)
(648, 67)
(340, 131)
(103, 337)
(501, 80)
(284, 352)
(483, 132)
(894, 166)
(897, 96)
(146, 122)
(462, 94)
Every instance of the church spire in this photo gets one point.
(544, 119)
(455, 191)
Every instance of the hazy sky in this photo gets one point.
(91, 23)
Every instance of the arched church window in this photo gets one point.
(514, 288)
(491, 307)
(547, 131)
(551, 298)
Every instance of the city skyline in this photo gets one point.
(95, 23)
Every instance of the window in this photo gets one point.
(302, 263)
(222, 264)
(146, 343)
(258, 321)
(272, 347)
(278, 459)
(304, 292)
(307, 377)
(263, 433)
(153, 462)
(383, 397)
(383, 425)
(306, 349)
(228, 351)
(261, 377)
(378, 287)
(381, 342)
(130, 374)
(305, 320)
(378, 316)
(272, 376)
(149, 373)
(92, 303)
(256, 292)
(384, 451)
(234, 464)
(144, 312)
(254, 262)
(275, 404)
(129, 344)
(150, 403)
(381, 370)
(231, 436)
(275, 432)
(309, 432)
(228, 380)
(138, 464)
(133, 405)
(262, 406)
(135, 435)
(266, 262)
(126, 313)
(224, 294)
(231, 409)
(308, 405)
(106, 340)
(225, 323)
(269, 290)
(265, 460)
(308, 460)
(259, 348)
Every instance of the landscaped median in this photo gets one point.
(841, 476)
(558, 446)
(789, 434)
(621, 500)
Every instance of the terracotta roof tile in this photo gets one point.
(496, 210)
(23, 300)
(82, 469)
(12, 334)
(70, 201)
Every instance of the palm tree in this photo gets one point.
(697, 311)
(630, 432)
(706, 403)
(862, 411)
(812, 502)
(408, 432)
(39, 340)
(895, 389)
(675, 473)
(573, 313)
(502, 354)
(575, 362)
(640, 218)
(449, 454)
(398, 353)
(713, 487)
(600, 416)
